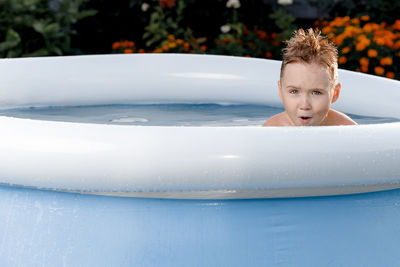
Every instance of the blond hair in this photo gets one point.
(311, 47)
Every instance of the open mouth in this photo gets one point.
(305, 119)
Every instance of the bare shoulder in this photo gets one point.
(277, 120)
(339, 118)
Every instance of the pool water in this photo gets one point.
(164, 114)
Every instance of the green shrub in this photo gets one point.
(38, 27)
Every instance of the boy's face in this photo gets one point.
(307, 93)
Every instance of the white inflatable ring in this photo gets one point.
(190, 162)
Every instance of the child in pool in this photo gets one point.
(308, 82)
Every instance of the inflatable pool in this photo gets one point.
(79, 194)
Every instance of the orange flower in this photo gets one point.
(390, 75)
(367, 28)
(364, 62)
(203, 47)
(355, 21)
(172, 45)
(342, 60)
(397, 45)
(360, 46)
(171, 37)
(372, 53)
(386, 61)
(141, 50)
(346, 50)
(127, 44)
(186, 46)
(379, 41)
(262, 34)
(364, 68)
(268, 54)
(379, 70)
(396, 25)
(128, 51)
(339, 40)
(116, 45)
(179, 41)
(365, 18)
(167, 3)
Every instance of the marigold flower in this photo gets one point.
(397, 45)
(167, 3)
(386, 61)
(172, 45)
(179, 41)
(367, 28)
(355, 21)
(339, 40)
(365, 18)
(127, 44)
(379, 70)
(171, 37)
(346, 50)
(396, 25)
(203, 47)
(390, 75)
(186, 46)
(128, 51)
(360, 46)
(364, 68)
(268, 54)
(262, 34)
(141, 50)
(226, 40)
(364, 61)
(116, 45)
(379, 41)
(372, 53)
(342, 60)
(273, 35)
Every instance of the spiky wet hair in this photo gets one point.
(311, 47)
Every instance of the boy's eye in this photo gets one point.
(317, 93)
(293, 91)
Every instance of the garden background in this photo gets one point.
(367, 32)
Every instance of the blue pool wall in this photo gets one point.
(47, 228)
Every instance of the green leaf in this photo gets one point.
(38, 53)
(86, 13)
(38, 26)
(12, 40)
(51, 28)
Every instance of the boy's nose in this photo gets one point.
(305, 103)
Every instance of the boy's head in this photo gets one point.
(308, 81)
(311, 47)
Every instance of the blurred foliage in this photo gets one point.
(231, 27)
(38, 27)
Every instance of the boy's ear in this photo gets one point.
(280, 88)
(336, 92)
